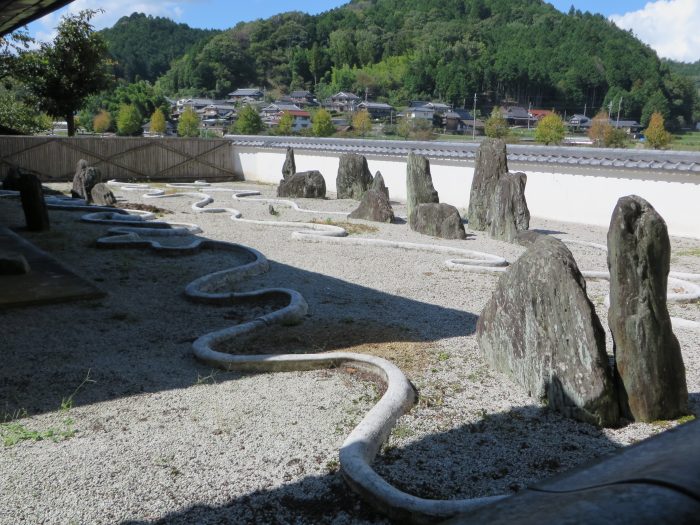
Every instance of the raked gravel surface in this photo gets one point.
(149, 435)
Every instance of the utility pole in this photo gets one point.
(585, 107)
(619, 107)
(610, 109)
(474, 119)
(529, 107)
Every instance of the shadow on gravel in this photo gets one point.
(500, 450)
(138, 339)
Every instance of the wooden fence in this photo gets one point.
(121, 158)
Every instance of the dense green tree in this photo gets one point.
(550, 130)
(321, 124)
(143, 46)
(656, 135)
(128, 120)
(188, 124)
(65, 72)
(19, 115)
(496, 126)
(249, 121)
(158, 125)
(286, 124)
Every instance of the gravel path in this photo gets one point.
(153, 436)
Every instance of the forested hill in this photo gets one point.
(144, 46)
(506, 51)
(690, 70)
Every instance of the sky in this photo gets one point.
(668, 26)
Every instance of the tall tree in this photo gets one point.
(128, 120)
(188, 124)
(249, 121)
(65, 72)
(656, 135)
(550, 130)
(158, 122)
(321, 124)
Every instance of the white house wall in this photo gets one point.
(583, 196)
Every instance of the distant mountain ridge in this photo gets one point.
(143, 46)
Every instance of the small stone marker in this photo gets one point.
(289, 167)
(306, 184)
(354, 177)
(419, 184)
(491, 165)
(32, 195)
(647, 354)
(508, 213)
(437, 219)
(540, 328)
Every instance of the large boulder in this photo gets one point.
(14, 175)
(306, 184)
(647, 354)
(508, 213)
(438, 220)
(374, 206)
(101, 195)
(354, 177)
(540, 328)
(419, 184)
(289, 167)
(379, 185)
(84, 180)
(32, 195)
(491, 165)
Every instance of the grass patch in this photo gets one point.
(350, 227)
(686, 141)
(692, 252)
(15, 432)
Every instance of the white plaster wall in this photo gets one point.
(585, 197)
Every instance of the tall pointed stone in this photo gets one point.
(32, 196)
(540, 328)
(508, 213)
(354, 177)
(379, 185)
(491, 164)
(648, 357)
(419, 184)
(289, 167)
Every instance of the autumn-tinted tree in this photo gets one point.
(188, 124)
(362, 123)
(249, 121)
(550, 130)
(599, 124)
(65, 72)
(158, 125)
(496, 126)
(656, 135)
(101, 122)
(321, 124)
(128, 120)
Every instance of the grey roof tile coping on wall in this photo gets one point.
(616, 159)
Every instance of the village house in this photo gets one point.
(246, 95)
(461, 121)
(342, 102)
(377, 110)
(276, 108)
(301, 98)
(517, 116)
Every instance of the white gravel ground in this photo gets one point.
(154, 437)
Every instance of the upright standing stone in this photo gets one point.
(84, 180)
(374, 206)
(289, 167)
(354, 177)
(508, 213)
(379, 185)
(11, 180)
(540, 328)
(647, 354)
(33, 204)
(491, 165)
(419, 184)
